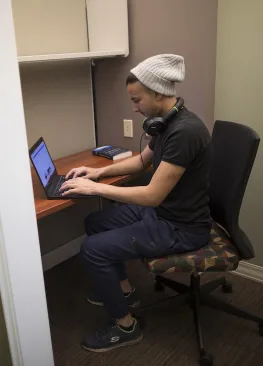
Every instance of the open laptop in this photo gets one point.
(47, 173)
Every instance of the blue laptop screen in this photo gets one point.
(43, 163)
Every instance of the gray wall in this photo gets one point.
(57, 98)
(186, 27)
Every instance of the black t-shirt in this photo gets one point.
(185, 142)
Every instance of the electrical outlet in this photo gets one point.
(128, 128)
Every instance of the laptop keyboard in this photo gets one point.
(56, 193)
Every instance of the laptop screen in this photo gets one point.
(42, 163)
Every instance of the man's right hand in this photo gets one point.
(85, 172)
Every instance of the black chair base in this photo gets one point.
(196, 295)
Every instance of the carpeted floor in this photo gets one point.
(169, 337)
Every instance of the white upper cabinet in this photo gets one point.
(108, 25)
(63, 29)
(50, 26)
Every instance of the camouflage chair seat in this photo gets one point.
(217, 256)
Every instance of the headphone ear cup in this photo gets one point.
(153, 126)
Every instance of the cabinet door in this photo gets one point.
(108, 25)
(50, 26)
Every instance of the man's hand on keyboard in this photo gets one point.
(78, 185)
(85, 172)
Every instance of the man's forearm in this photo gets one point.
(135, 195)
(128, 166)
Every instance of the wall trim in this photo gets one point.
(62, 253)
(250, 270)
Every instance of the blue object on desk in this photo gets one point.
(111, 152)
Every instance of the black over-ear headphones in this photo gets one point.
(155, 125)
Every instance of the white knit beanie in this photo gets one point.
(160, 73)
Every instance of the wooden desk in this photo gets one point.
(46, 207)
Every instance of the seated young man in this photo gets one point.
(169, 215)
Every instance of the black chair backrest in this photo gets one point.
(234, 148)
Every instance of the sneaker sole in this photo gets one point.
(130, 343)
(97, 303)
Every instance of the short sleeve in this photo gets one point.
(182, 146)
(152, 143)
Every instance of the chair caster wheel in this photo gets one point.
(159, 286)
(227, 287)
(260, 329)
(206, 360)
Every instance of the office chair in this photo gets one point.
(234, 148)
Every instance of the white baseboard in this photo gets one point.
(249, 270)
(62, 253)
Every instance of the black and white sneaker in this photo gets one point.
(131, 297)
(112, 337)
